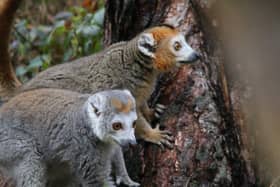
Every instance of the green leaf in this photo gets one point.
(99, 16)
(21, 70)
(48, 43)
(45, 28)
(97, 46)
(88, 31)
(22, 49)
(63, 15)
(78, 10)
(21, 27)
(59, 30)
(43, 32)
(88, 46)
(46, 61)
(35, 63)
(88, 18)
(33, 34)
(67, 55)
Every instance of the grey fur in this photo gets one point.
(121, 65)
(115, 67)
(133, 65)
(47, 138)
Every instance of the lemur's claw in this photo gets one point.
(161, 106)
(162, 138)
(158, 110)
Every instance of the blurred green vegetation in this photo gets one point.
(71, 33)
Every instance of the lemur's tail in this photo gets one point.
(8, 79)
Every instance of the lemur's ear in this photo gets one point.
(95, 110)
(127, 92)
(146, 44)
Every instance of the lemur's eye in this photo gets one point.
(134, 125)
(177, 46)
(117, 126)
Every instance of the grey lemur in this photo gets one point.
(52, 137)
(133, 65)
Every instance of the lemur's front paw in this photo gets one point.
(158, 110)
(160, 137)
(127, 181)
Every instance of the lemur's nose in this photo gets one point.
(194, 56)
(133, 142)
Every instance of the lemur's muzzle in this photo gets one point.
(192, 58)
(128, 142)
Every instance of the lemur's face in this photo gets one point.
(122, 128)
(113, 115)
(182, 51)
(166, 47)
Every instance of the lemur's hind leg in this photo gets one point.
(120, 169)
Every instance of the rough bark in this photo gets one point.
(204, 112)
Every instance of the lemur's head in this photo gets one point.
(112, 115)
(166, 47)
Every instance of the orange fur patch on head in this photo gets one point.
(128, 106)
(120, 106)
(162, 32)
(116, 103)
(164, 59)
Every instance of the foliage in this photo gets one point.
(73, 34)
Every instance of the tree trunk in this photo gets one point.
(204, 111)
(8, 79)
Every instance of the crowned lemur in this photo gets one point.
(132, 65)
(52, 137)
